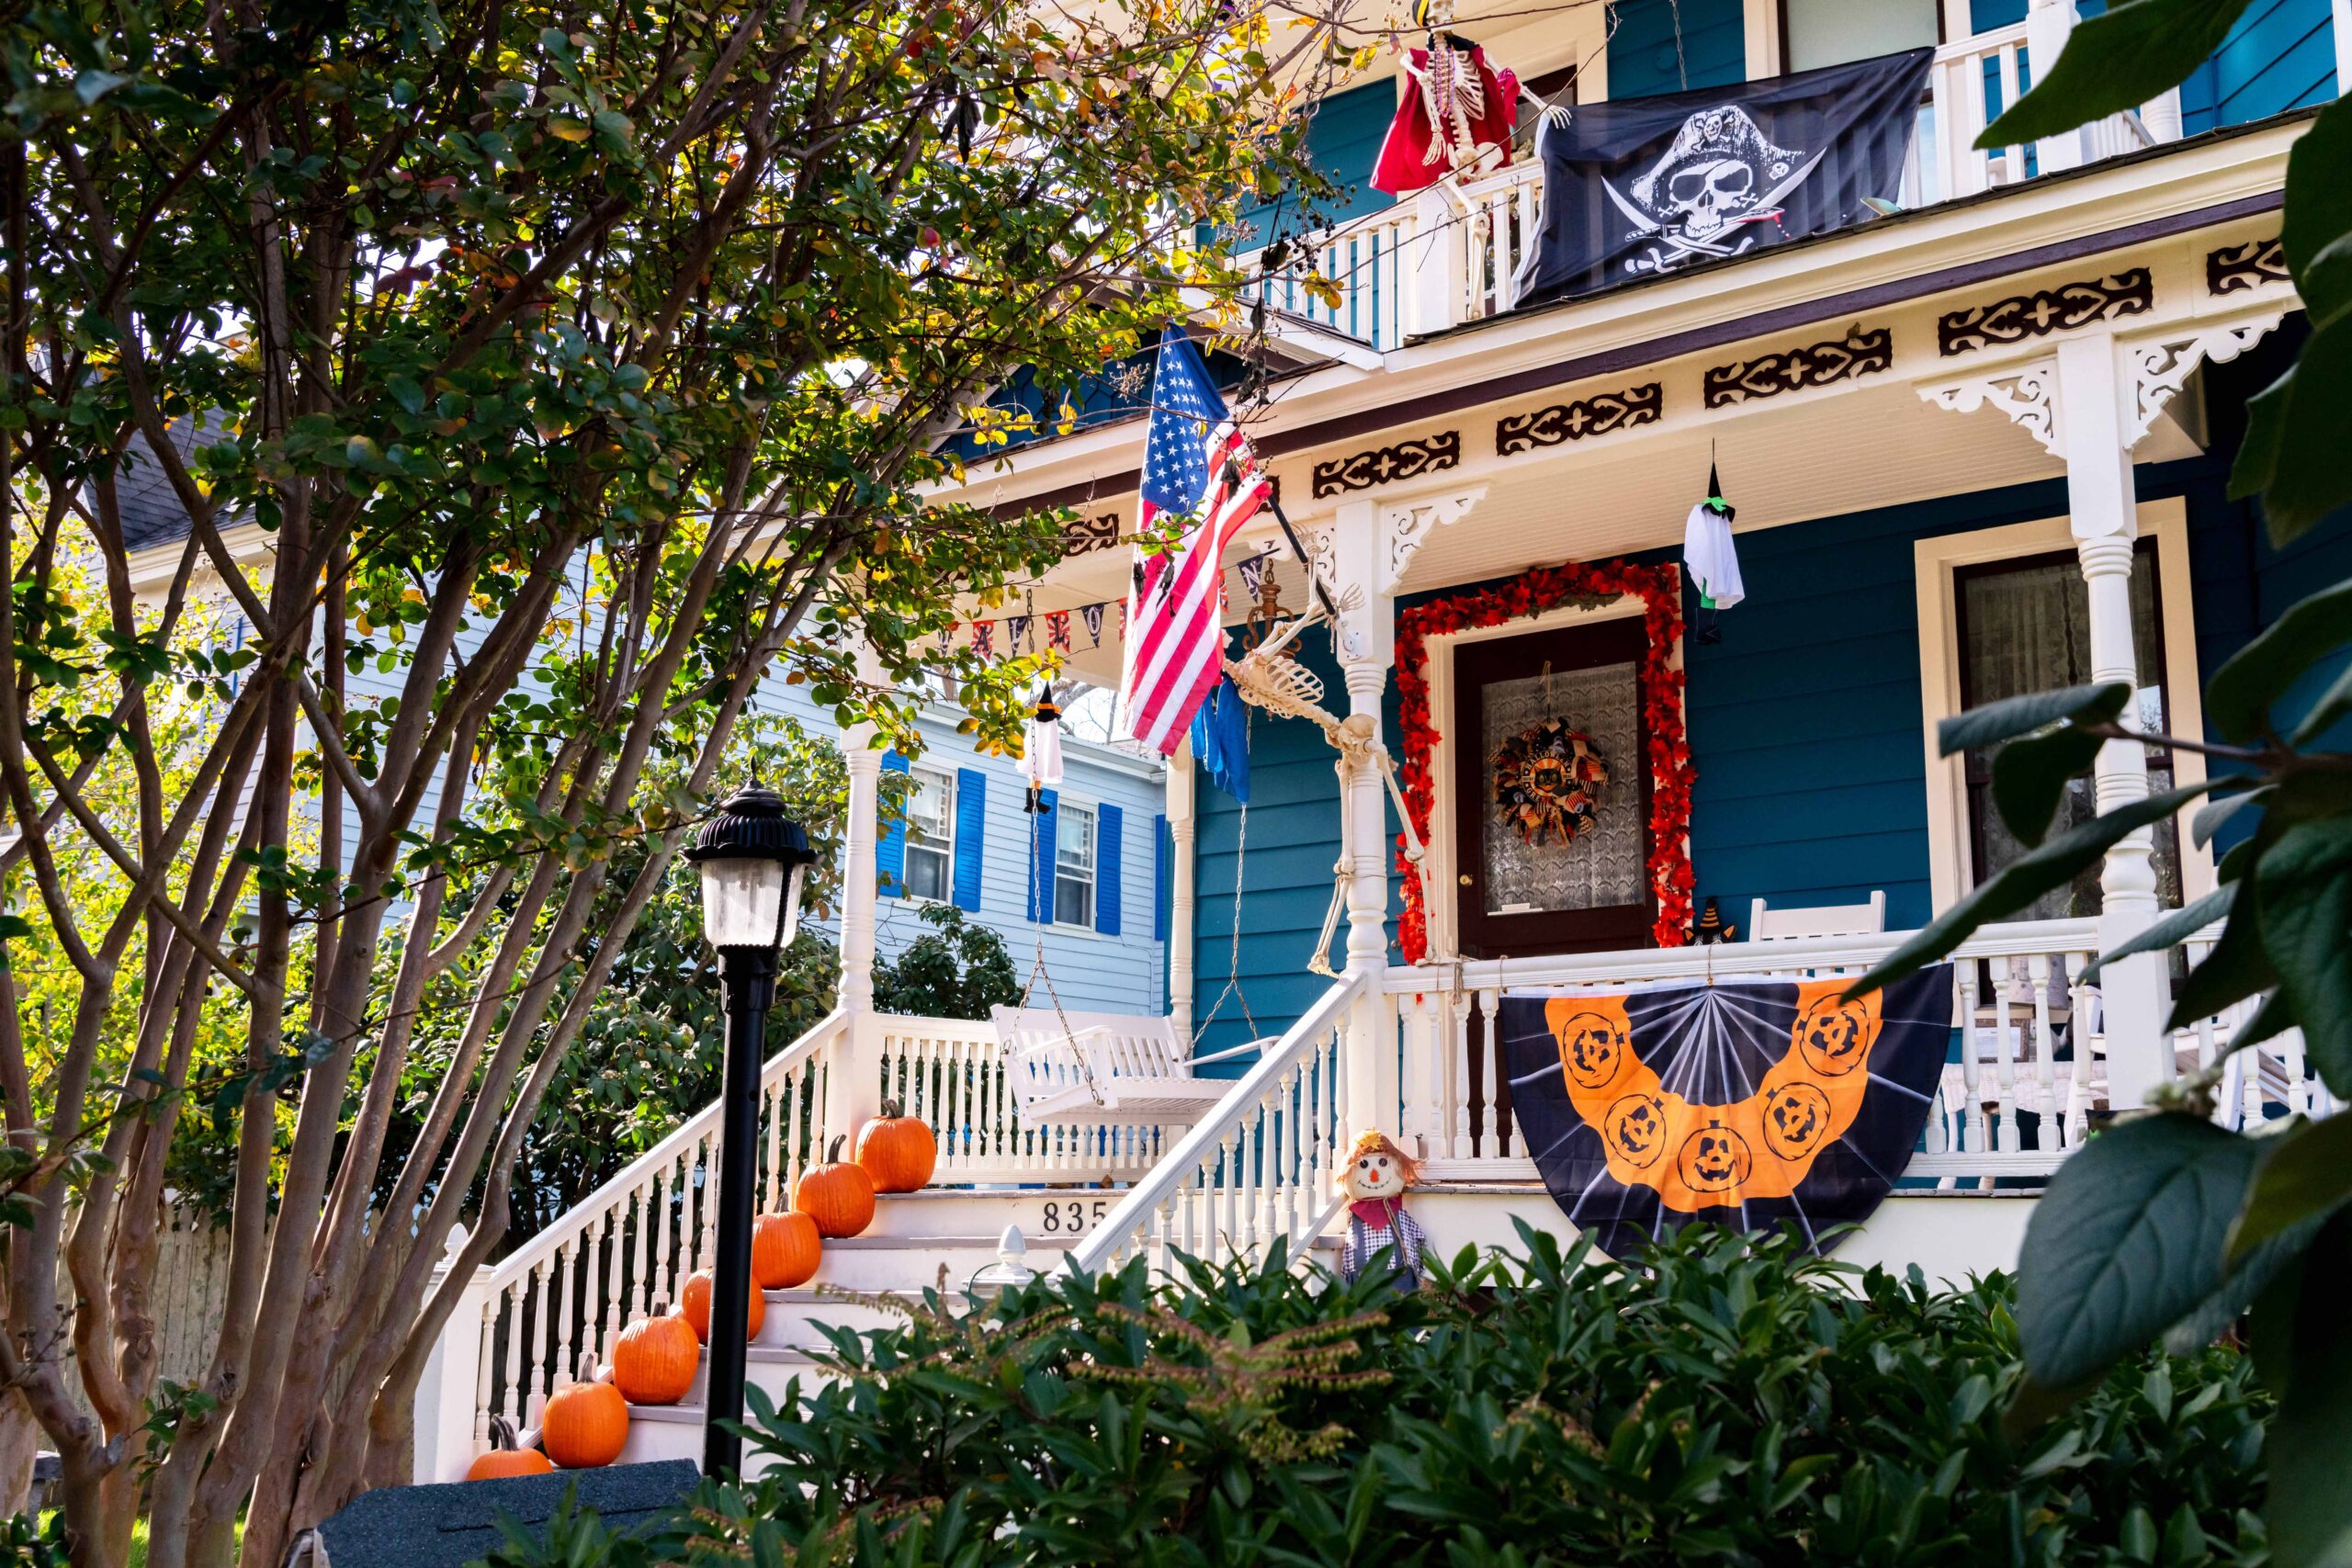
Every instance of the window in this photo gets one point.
(1074, 866)
(931, 834)
(2024, 626)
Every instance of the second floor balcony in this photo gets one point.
(1450, 255)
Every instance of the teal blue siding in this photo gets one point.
(1643, 57)
(2280, 55)
(1342, 143)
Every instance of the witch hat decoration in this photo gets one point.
(1715, 502)
(1711, 925)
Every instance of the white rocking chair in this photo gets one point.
(1071, 1068)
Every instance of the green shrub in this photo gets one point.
(1739, 1403)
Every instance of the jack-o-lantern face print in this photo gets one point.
(1635, 1130)
(1714, 1159)
(1720, 1134)
(1796, 1119)
(1834, 1036)
(1593, 1048)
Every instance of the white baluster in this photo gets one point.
(1489, 1006)
(2044, 1047)
(486, 1398)
(2005, 1068)
(1976, 1139)
(561, 1305)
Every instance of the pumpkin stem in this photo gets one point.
(833, 1155)
(588, 1367)
(501, 1435)
(892, 1110)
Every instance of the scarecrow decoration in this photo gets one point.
(1374, 1180)
(1544, 782)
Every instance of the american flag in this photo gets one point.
(1198, 465)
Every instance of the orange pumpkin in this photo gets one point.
(655, 1358)
(837, 1196)
(694, 1303)
(785, 1249)
(897, 1150)
(584, 1424)
(504, 1458)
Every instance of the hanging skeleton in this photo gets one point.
(1267, 677)
(1457, 106)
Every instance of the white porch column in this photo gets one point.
(1180, 890)
(852, 1080)
(2047, 25)
(2095, 399)
(1365, 642)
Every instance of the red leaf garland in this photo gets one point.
(1588, 585)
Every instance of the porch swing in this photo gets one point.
(1071, 1068)
(1076, 1068)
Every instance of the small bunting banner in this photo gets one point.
(1016, 627)
(1057, 631)
(1093, 614)
(984, 638)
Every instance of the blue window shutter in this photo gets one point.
(890, 849)
(971, 834)
(1159, 858)
(1041, 861)
(1109, 819)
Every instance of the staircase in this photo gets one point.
(1409, 1050)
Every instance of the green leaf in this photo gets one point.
(2019, 884)
(2303, 895)
(2333, 704)
(2030, 776)
(2294, 428)
(2175, 926)
(2310, 1448)
(2126, 1242)
(2236, 968)
(2214, 814)
(2013, 717)
(2305, 1172)
(2319, 212)
(2116, 60)
(2239, 697)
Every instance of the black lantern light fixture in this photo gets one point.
(754, 860)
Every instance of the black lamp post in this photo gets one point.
(752, 858)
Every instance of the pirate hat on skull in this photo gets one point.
(1719, 168)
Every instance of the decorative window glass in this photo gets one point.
(1602, 869)
(1074, 866)
(931, 834)
(2025, 626)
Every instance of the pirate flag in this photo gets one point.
(1751, 1103)
(1646, 186)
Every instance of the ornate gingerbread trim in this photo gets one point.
(1386, 465)
(1082, 536)
(2130, 292)
(1599, 414)
(2250, 265)
(1860, 353)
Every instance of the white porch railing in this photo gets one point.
(2031, 1059)
(1448, 256)
(570, 1289)
(1263, 1166)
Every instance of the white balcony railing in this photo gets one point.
(1448, 256)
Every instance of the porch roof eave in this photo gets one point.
(2095, 211)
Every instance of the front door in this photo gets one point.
(1525, 884)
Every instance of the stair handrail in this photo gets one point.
(583, 1217)
(1135, 1212)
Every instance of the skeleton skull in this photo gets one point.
(1709, 196)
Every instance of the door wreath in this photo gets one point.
(1546, 778)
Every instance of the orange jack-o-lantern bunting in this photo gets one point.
(1751, 1103)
